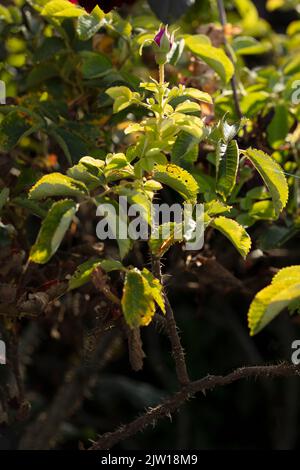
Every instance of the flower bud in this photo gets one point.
(163, 42)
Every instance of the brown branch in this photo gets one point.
(177, 349)
(174, 402)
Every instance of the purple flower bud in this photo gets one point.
(159, 35)
(163, 38)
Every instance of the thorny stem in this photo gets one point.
(177, 349)
(174, 402)
(223, 20)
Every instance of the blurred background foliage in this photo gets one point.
(56, 71)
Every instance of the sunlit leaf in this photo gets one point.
(234, 232)
(56, 184)
(178, 179)
(52, 231)
(141, 292)
(270, 301)
(84, 271)
(272, 175)
(215, 57)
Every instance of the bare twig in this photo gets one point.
(177, 349)
(174, 402)
(102, 283)
(135, 347)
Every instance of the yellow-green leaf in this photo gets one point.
(141, 292)
(215, 57)
(198, 95)
(56, 184)
(290, 274)
(156, 289)
(53, 230)
(188, 107)
(272, 175)
(178, 179)
(84, 271)
(122, 97)
(137, 303)
(61, 9)
(234, 232)
(270, 301)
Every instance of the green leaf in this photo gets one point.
(185, 149)
(205, 182)
(156, 289)
(88, 25)
(94, 64)
(191, 124)
(115, 161)
(213, 56)
(117, 91)
(216, 207)
(52, 231)
(270, 301)
(253, 102)
(84, 271)
(262, 210)
(61, 9)
(114, 217)
(200, 38)
(229, 131)
(151, 185)
(272, 175)
(142, 200)
(88, 171)
(176, 52)
(178, 179)
(198, 95)
(94, 165)
(234, 232)
(227, 167)
(245, 45)
(61, 142)
(80, 173)
(279, 127)
(188, 107)
(33, 207)
(14, 126)
(5, 14)
(122, 97)
(291, 274)
(141, 291)
(56, 184)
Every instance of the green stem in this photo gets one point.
(161, 74)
